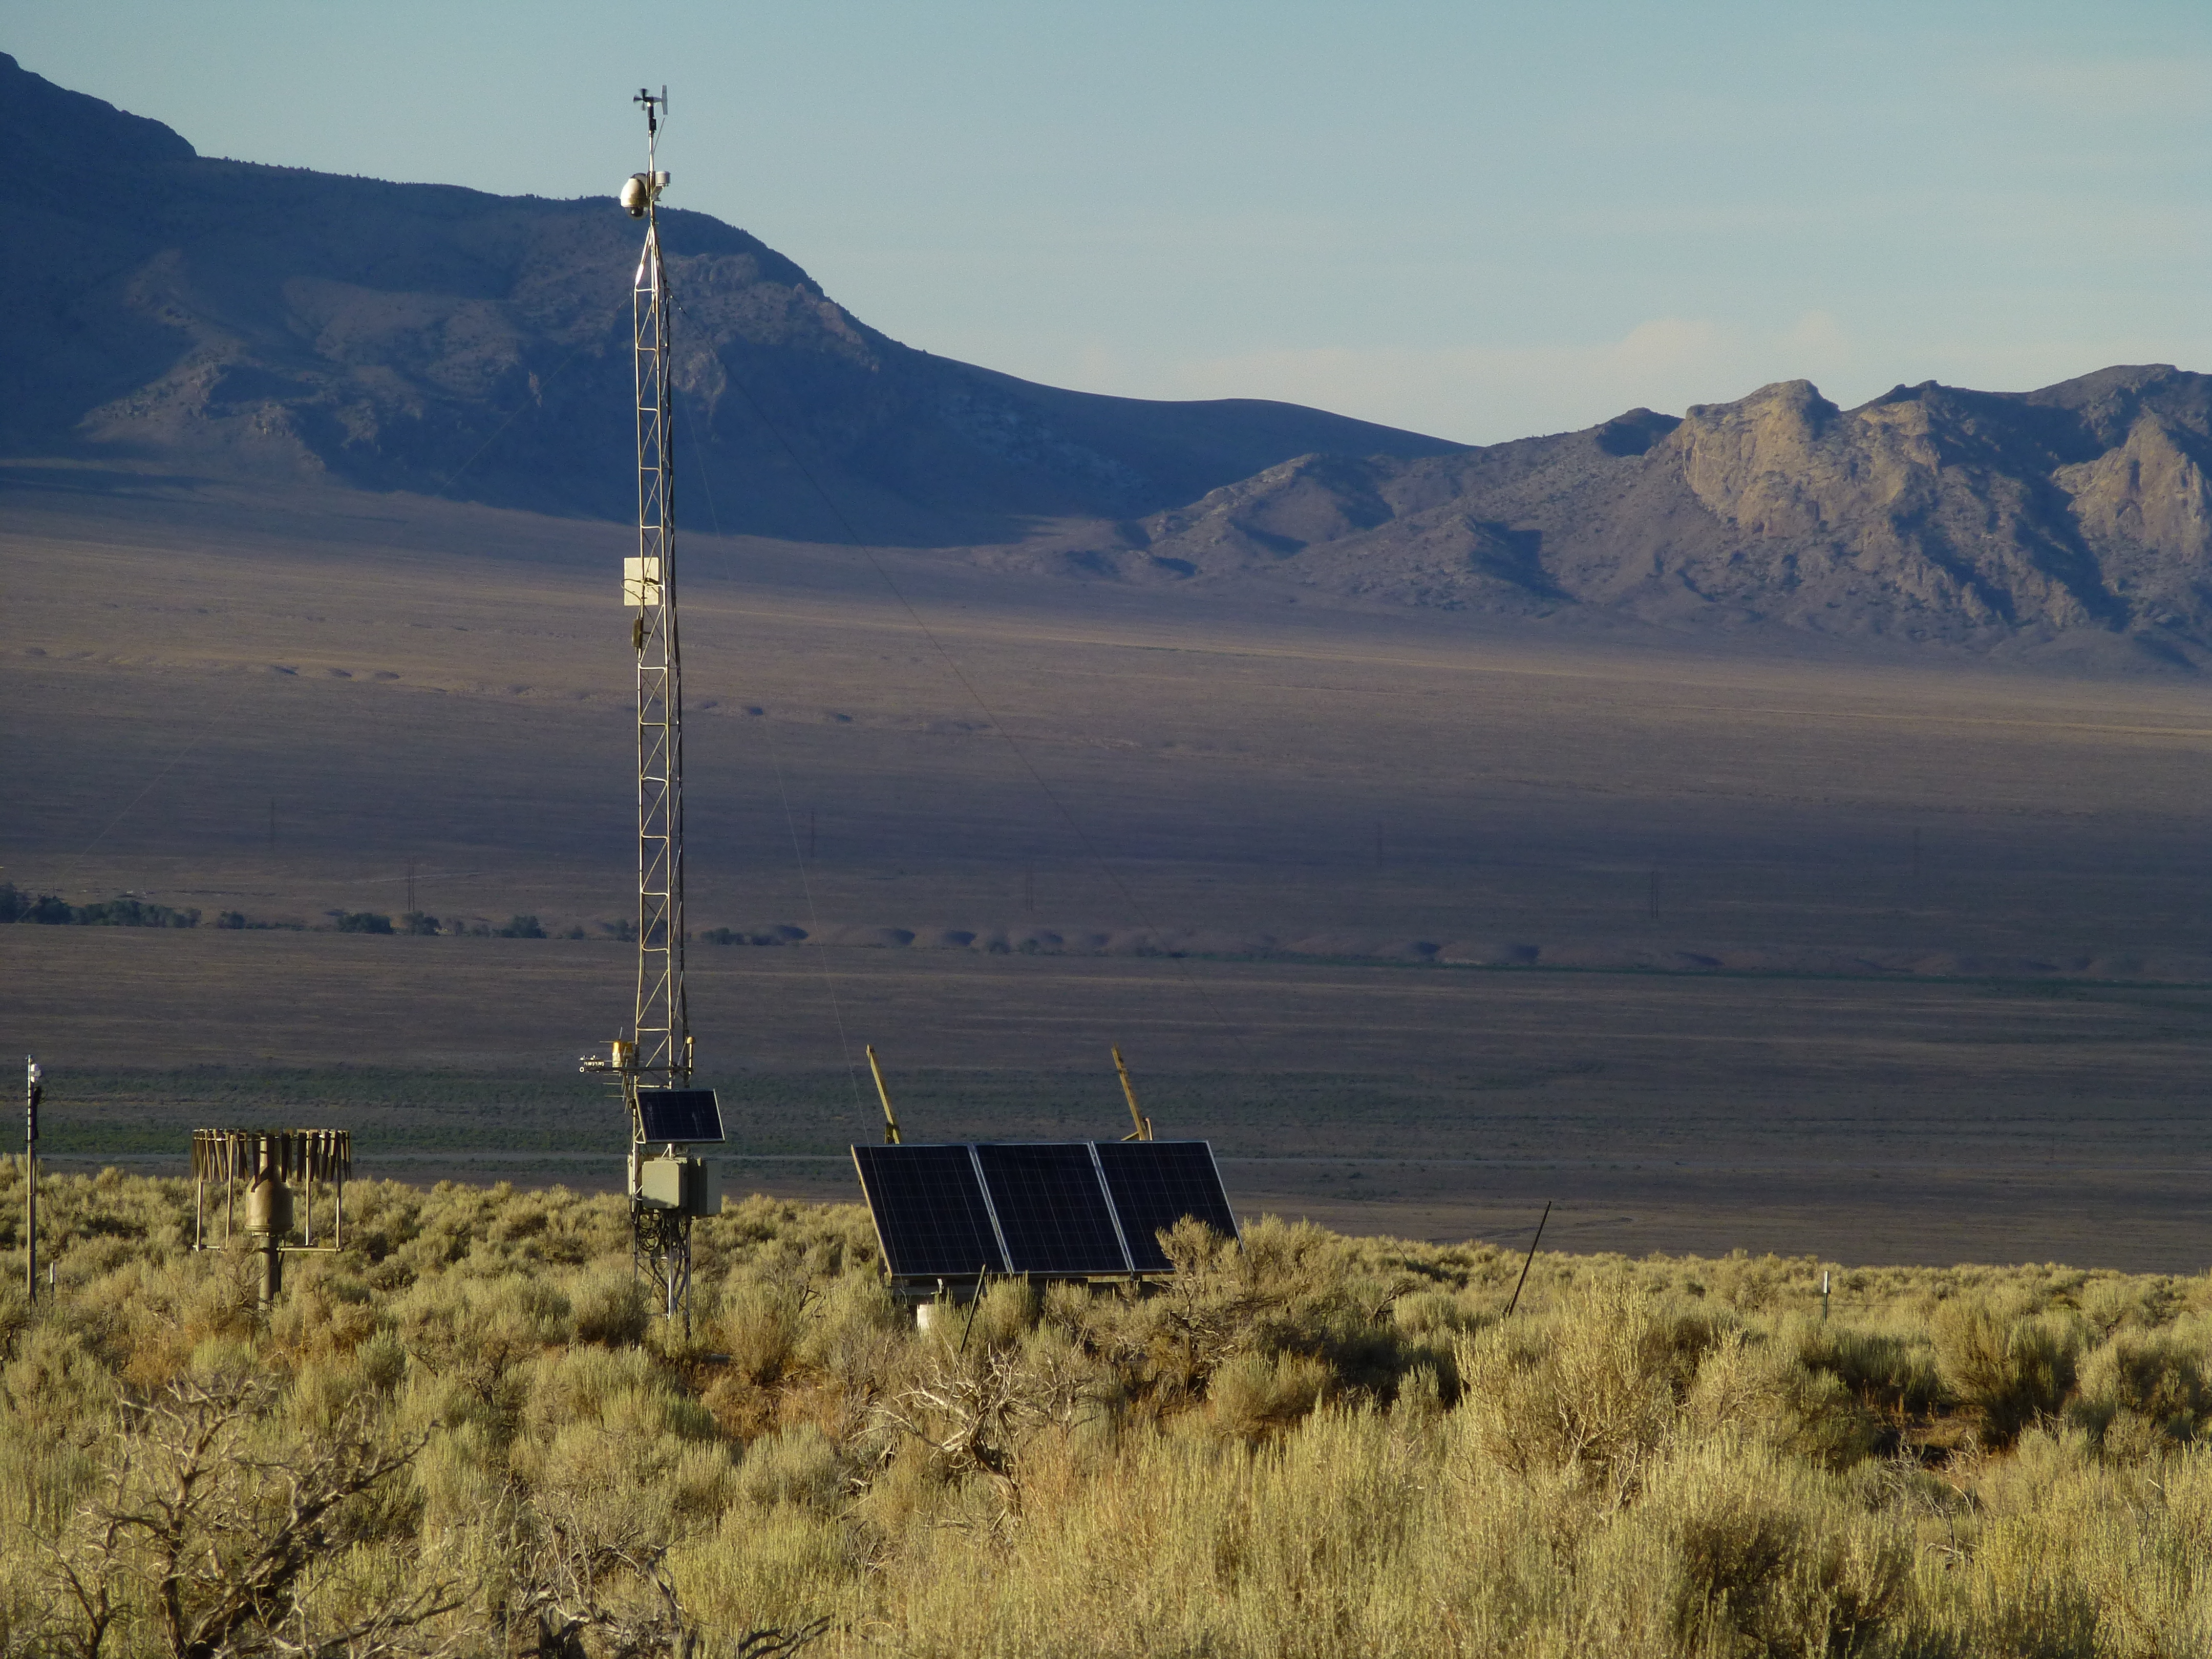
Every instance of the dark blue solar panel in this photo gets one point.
(929, 1211)
(1155, 1184)
(679, 1114)
(1052, 1211)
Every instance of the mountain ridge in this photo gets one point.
(246, 322)
(1930, 513)
(281, 322)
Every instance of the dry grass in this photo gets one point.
(1308, 1444)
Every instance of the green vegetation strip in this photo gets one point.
(119, 1111)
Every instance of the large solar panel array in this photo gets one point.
(1058, 1209)
(679, 1114)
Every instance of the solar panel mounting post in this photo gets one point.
(891, 1118)
(1144, 1130)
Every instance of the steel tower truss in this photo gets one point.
(656, 1052)
(662, 1027)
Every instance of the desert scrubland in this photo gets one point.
(1771, 837)
(465, 1434)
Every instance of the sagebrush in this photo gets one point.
(467, 1434)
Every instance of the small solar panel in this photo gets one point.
(931, 1216)
(679, 1114)
(1155, 1184)
(1051, 1209)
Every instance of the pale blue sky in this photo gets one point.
(1475, 220)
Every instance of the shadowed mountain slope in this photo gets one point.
(1930, 513)
(239, 320)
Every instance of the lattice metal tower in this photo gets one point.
(656, 1052)
(662, 1027)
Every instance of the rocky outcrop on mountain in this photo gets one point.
(1930, 513)
(241, 320)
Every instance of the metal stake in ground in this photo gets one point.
(34, 1090)
(1531, 1261)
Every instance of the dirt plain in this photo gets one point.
(1738, 944)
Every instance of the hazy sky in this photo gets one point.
(1478, 221)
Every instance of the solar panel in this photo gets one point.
(931, 1216)
(679, 1114)
(1051, 1208)
(1057, 1209)
(1155, 1184)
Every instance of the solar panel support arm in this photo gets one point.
(1143, 1129)
(891, 1118)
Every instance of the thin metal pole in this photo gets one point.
(1530, 1262)
(33, 1092)
(982, 1277)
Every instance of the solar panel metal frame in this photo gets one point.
(1134, 1200)
(677, 1116)
(1179, 1169)
(904, 1198)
